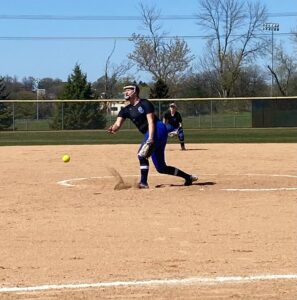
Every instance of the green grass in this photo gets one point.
(27, 124)
(223, 120)
(242, 120)
(230, 135)
(243, 135)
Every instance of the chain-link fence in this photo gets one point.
(32, 115)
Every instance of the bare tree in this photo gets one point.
(233, 40)
(164, 59)
(112, 73)
(106, 87)
(285, 69)
(294, 38)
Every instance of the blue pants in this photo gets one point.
(180, 132)
(158, 156)
(160, 141)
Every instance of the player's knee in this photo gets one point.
(161, 169)
(181, 136)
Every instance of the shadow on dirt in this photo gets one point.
(206, 183)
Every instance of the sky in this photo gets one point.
(54, 58)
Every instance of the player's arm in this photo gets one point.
(180, 120)
(147, 148)
(151, 125)
(165, 118)
(116, 125)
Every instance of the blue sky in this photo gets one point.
(56, 58)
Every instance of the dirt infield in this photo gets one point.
(66, 223)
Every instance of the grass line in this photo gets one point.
(88, 137)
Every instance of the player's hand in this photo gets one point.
(147, 149)
(173, 133)
(110, 130)
(150, 141)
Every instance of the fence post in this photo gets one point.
(13, 117)
(62, 121)
(110, 116)
(211, 113)
(159, 109)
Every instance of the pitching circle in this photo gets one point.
(72, 182)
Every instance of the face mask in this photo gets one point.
(128, 97)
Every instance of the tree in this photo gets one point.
(82, 115)
(29, 83)
(112, 73)
(53, 87)
(284, 71)
(233, 28)
(106, 87)
(294, 32)
(6, 118)
(165, 60)
(251, 82)
(160, 90)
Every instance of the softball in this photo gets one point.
(66, 158)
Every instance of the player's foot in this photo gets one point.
(190, 180)
(183, 148)
(143, 185)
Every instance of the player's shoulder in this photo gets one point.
(144, 101)
(125, 107)
(124, 110)
(146, 104)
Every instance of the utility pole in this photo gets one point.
(271, 27)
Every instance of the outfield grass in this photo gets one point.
(224, 120)
(230, 135)
(242, 120)
(28, 125)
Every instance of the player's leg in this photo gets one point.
(144, 169)
(158, 158)
(181, 137)
(169, 128)
(162, 168)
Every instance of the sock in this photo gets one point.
(144, 169)
(144, 174)
(176, 172)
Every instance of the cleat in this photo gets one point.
(190, 180)
(143, 185)
(183, 148)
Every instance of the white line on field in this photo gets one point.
(70, 182)
(67, 182)
(152, 282)
(260, 190)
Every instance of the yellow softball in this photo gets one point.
(66, 158)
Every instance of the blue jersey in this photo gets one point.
(137, 114)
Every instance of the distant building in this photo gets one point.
(115, 108)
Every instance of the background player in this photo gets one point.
(173, 120)
(141, 113)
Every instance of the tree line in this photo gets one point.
(229, 67)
